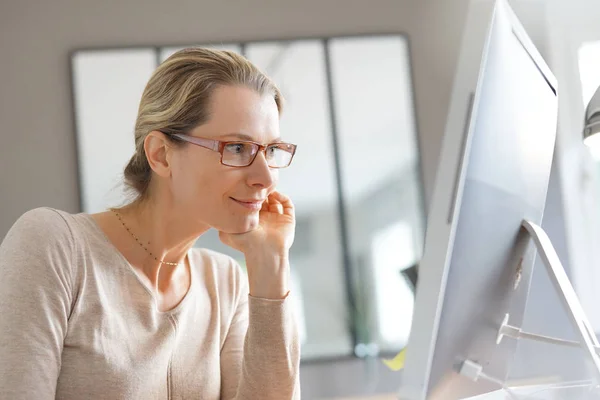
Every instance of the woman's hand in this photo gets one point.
(266, 248)
(274, 233)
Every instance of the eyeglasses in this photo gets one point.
(243, 154)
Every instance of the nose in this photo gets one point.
(260, 175)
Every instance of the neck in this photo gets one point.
(164, 234)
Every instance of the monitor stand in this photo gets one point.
(588, 341)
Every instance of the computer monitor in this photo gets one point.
(493, 173)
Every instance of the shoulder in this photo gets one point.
(40, 244)
(42, 224)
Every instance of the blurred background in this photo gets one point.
(355, 181)
(367, 87)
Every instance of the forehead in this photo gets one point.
(241, 113)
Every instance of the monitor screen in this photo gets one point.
(494, 172)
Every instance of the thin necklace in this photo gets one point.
(140, 243)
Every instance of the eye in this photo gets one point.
(235, 148)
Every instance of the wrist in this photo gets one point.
(268, 275)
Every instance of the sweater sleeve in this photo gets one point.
(260, 358)
(35, 301)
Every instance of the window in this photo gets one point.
(355, 180)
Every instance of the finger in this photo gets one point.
(285, 201)
(274, 205)
(265, 205)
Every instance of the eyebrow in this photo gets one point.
(242, 136)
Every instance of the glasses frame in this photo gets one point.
(218, 146)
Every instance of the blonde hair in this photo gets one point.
(177, 99)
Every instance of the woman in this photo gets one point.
(118, 305)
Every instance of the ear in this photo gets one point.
(156, 146)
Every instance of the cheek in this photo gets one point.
(190, 179)
(275, 178)
(205, 188)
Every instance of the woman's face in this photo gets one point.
(210, 193)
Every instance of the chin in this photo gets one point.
(247, 224)
(251, 223)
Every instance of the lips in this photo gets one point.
(251, 204)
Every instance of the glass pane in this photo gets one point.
(298, 67)
(166, 52)
(381, 181)
(108, 86)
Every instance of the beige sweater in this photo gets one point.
(76, 322)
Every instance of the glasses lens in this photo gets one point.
(280, 155)
(239, 154)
